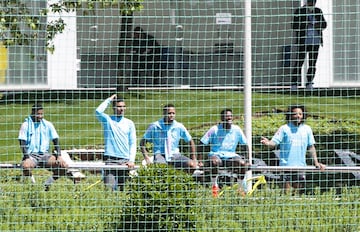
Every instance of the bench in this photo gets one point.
(256, 163)
(92, 162)
(348, 157)
(75, 167)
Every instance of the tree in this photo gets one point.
(22, 23)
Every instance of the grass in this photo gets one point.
(77, 126)
(90, 207)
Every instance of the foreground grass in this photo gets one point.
(88, 206)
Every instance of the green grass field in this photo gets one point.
(77, 126)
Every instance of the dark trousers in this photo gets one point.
(234, 165)
(115, 179)
(302, 50)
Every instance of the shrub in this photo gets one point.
(161, 198)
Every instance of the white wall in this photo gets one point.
(324, 71)
(62, 64)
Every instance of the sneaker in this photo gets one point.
(215, 190)
(48, 183)
(309, 86)
(293, 87)
(32, 178)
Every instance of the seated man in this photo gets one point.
(34, 136)
(224, 139)
(165, 135)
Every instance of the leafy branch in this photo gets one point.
(21, 24)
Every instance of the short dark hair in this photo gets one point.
(290, 112)
(36, 107)
(116, 100)
(165, 108)
(311, 1)
(138, 29)
(223, 112)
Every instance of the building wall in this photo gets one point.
(202, 35)
(346, 43)
(92, 43)
(271, 25)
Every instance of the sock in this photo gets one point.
(242, 184)
(213, 181)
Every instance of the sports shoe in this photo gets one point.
(48, 183)
(309, 86)
(293, 87)
(215, 190)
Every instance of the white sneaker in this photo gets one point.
(32, 178)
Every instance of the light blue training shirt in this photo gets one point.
(294, 142)
(37, 135)
(166, 137)
(119, 134)
(224, 142)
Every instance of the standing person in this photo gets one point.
(224, 139)
(145, 57)
(295, 138)
(34, 136)
(308, 25)
(165, 135)
(119, 139)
